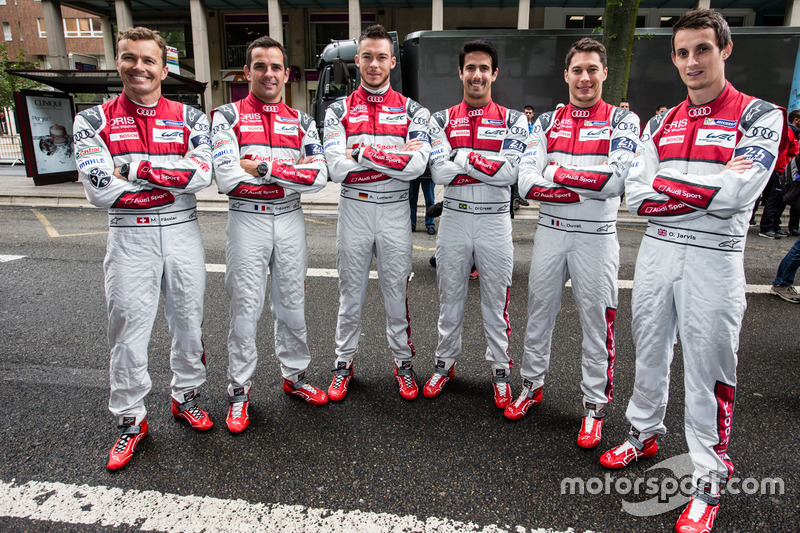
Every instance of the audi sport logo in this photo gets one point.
(375, 99)
(695, 112)
(145, 112)
(475, 112)
(580, 113)
(270, 108)
(764, 133)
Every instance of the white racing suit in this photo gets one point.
(577, 235)
(154, 241)
(690, 271)
(266, 228)
(476, 152)
(373, 210)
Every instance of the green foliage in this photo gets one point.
(9, 84)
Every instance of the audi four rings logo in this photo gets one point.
(764, 133)
(695, 112)
(145, 112)
(270, 109)
(580, 113)
(374, 99)
(475, 112)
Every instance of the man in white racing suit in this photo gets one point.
(477, 146)
(702, 166)
(265, 154)
(575, 166)
(143, 157)
(376, 142)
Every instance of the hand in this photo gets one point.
(739, 164)
(250, 166)
(118, 175)
(304, 160)
(412, 146)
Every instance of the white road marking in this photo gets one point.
(7, 258)
(149, 510)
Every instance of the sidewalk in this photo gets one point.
(16, 189)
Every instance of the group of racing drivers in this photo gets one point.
(694, 173)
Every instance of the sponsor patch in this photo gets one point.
(708, 137)
(220, 153)
(314, 149)
(419, 135)
(161, 135)
(494, 134)
(254, 128)
(127, 136)
(358, 118)
(756, 155)
(623, 143)
(513, 144)
(595, 123)
(92, 162)
(567, 134)
(672, 139)
(491, 122)
(288, 120)
(437, 141)
(88, 151)
(220, 143)
(200, 140)
(170, 123)
(389, 109)
(594, 134)
(719, 122)
(392, 118)
(459, 133)
(280, 128)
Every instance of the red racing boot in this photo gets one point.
(529, 397)
(439, 379)
(405, 379)
(305, 390)
(630, 450)
(342, 375)
(238, 413)
(188, 411)
(122, 451)
(591, 426)
(502, 388)
(699, 515)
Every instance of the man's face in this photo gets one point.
(477, 76)
(699, 59)
(141, 67)
(528, 114)
(267, 74)
(625, 105)
(796, 122)
(585, 77)
(375, 62)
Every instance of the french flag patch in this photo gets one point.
(555, 222)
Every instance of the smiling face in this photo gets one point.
(267, 74)
(700, 63)
(585, 77)
(477, 77)
(140, 65)
(375, 62)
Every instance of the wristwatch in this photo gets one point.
(263, 168)
(355, 152)
(124, 170)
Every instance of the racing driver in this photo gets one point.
(376, 142)
(477, 146)
(143, 157)
(703, 165)
(576, 164)
(265, 155)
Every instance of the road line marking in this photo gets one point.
(53, 233)
(7, 258)
(149, 510)
(625, 284)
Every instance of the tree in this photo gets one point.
(619, 26)
(9, 84)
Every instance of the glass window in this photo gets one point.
(7, 31)
(42, 28)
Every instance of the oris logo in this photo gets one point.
(375, 99)
(764, 133)
(145, 112)
(475, 112)
(270, 109)
(580, 113)
(695, 112)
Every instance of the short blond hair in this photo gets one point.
(140, 33)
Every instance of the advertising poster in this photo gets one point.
(50, 120)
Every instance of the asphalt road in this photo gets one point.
(452, 458)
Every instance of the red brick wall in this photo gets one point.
(26, 12)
